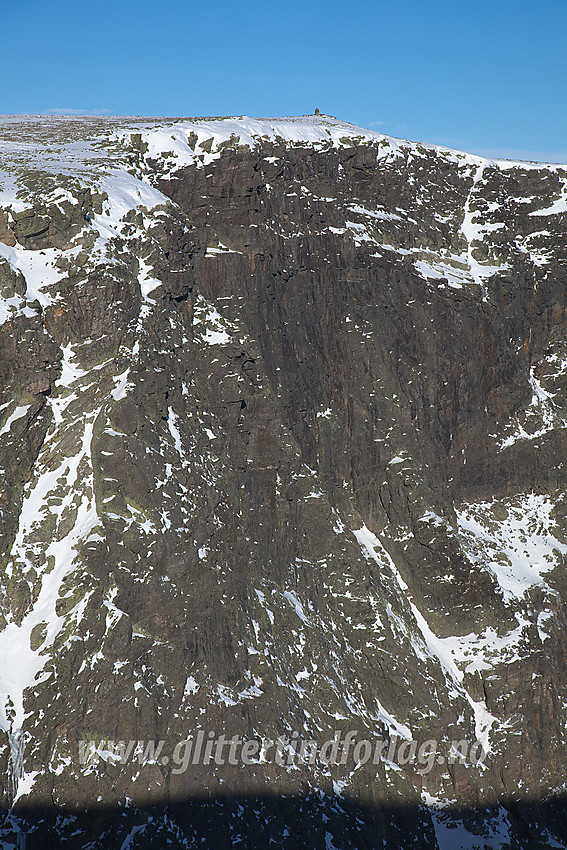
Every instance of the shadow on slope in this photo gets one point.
(315, 822)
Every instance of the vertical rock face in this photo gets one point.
(283, 425)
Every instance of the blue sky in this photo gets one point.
(488, 77)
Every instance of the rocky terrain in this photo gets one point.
(283, 422)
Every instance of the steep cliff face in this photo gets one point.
(284, 411)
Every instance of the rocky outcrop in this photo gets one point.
(283, 409)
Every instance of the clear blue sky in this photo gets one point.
(487, 76)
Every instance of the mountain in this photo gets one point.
(283, 422)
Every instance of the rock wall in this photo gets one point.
(283, 409)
